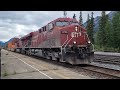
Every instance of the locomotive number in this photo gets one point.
(75, 34)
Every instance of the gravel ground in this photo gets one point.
(106, 65)
(107, 53)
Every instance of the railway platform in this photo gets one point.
(18, 66)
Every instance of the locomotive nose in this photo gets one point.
(76, 32)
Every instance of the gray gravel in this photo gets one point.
(107, 53)
(105, 65)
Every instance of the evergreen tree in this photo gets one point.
(80, 19)
(101, 36)
(116, 30)
(109, 34)
(92, 28)
(88, 26)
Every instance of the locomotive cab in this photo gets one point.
(75, 44)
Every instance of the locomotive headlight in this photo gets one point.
(74, 42)
(89, 42)
(76, 28)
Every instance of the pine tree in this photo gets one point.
(116, 30)
(101, 35)
(92, 28)
(109, 34)
(88, 26)
(80, 19)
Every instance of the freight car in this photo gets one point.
(62, 39)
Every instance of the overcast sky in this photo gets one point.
(15, 23)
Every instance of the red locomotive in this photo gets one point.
(62, 39)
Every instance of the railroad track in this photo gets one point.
(95, 71)
(89, 70)
(107, 59)
(112, 74)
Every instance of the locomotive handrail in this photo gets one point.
(62, 46)
(68, 42)
(65, 41)
(26, 44)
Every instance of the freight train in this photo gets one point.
(63, 39)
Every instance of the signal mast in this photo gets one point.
(65, 14)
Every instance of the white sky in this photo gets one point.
(15, 23)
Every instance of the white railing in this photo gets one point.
(66, 40)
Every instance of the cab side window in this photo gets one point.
(40, 30)
(43, 29)
(47, 28)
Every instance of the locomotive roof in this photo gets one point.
(64, 19)
(26, 35)
(58, 19)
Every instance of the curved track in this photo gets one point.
(107, 59)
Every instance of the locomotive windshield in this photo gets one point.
(62, 23)
(74, 23)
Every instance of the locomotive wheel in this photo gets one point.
(60, 60)
(26, 52)
(29, 52)
(48, 57)
(62, 57)
(54, 58)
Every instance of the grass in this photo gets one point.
(7, 54)
(44, 70)
(105, 49)
(14, 73)
(33, 71)
(5, 73)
